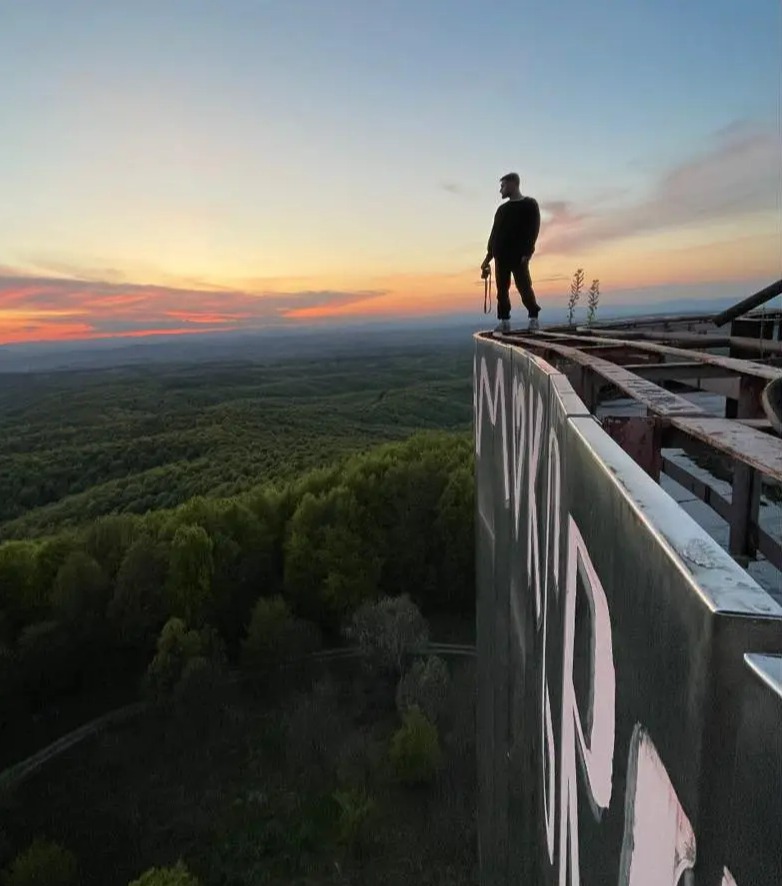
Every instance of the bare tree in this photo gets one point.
(576, 287)
(593, 297)
(425, 686)
(388, 631)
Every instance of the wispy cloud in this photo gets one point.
(738, 174)
(458, 190)
(43, 307)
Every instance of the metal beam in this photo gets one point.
(689, 340)
(747, 304)
(741, 367)
(679, 370)
(770, 548)
(707, 494)
(656, 399)
(766, 544)
(761, 451)
(641, 439)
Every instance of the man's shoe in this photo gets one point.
(503, 327)
(534, 326)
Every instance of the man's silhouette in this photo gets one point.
(512, 245)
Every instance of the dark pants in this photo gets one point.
(521, 276)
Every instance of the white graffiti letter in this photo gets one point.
(496, 406)
(596, 751)
(519, 443)
(659, 842)
(533, 548)
(552, 555)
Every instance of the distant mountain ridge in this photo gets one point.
(300, 342)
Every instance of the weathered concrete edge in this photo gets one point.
(722, 584)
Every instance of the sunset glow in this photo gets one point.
(180, 169)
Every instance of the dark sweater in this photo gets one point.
(515, 231)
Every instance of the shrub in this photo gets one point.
(424, 686)
(387, 631)
(356, 809)
(43, 863)
(179, 875)
(415, 749)
(275, 635)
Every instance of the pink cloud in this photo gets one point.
(738, 174)
(52, 308)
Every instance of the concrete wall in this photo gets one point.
(619, 722)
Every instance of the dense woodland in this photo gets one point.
(170, 532)
(77, 445)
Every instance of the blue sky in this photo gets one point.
(341, 146)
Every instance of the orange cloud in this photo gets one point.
(30, 331)
(34, 309)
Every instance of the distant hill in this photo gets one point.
(313, 341)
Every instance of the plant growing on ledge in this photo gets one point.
(576, 287)
(593, 297)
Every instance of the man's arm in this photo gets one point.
(534, 224)
(492, 240)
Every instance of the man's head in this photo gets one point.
(509, 185)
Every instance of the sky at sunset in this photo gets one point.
(188, 166)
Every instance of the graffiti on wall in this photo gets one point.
(659, 843)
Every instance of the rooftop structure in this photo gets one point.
(629, 602)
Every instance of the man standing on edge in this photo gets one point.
(512, 245)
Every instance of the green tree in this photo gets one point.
(404, 507)
(454, 529)
(424, 686)
(81, 593)
(43, 863)
(329, 569)
(22, 597)
(51, 554)
(179, 875)
(415, 749)
(108, 539)
(190, 573)
(243, 558)
(275, 635)
(388, 631)
(176, 646)
(400, 489)
(48, 658)
(138, 607)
